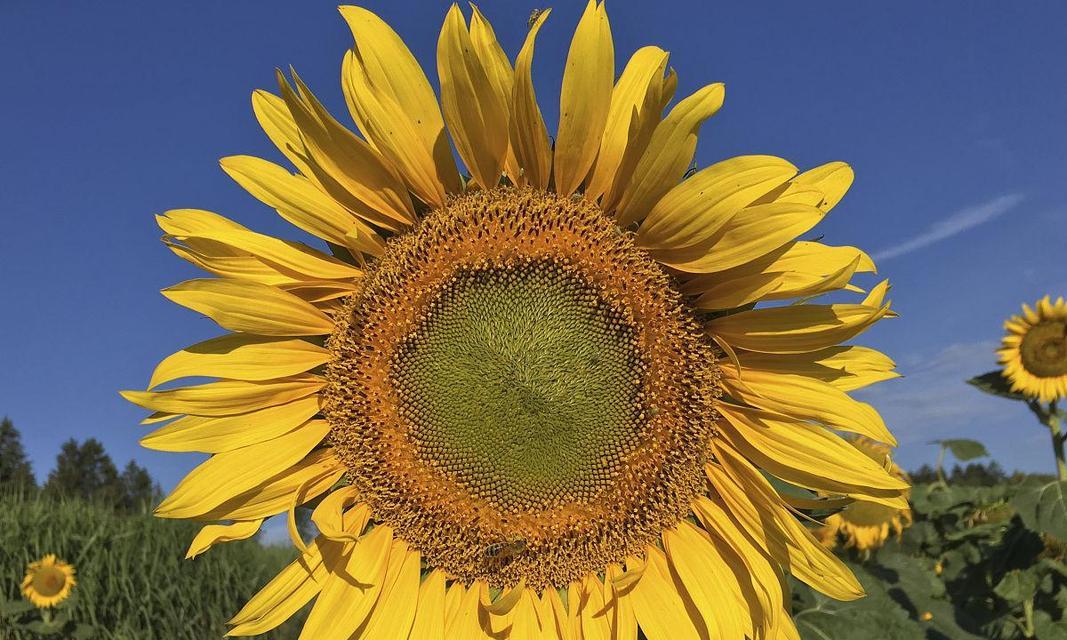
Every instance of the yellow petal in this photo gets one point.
(397, 80)
(643, 73)
(226, 398)
(658, 604)
(527, 132)
(845, 368)
(283, 596)
(793, 264)
(285, 256)
(526, 623)
(181, 222)
(644, 120)
(757, 575)
(623, 622)
(213, 534)
(226, 475)
(354, 582)
(584, 98)
(382, 121)
(475, 109)
(430, 613)
(833, 179)
(205, 255)
(277, 122)
(467, 621)
(694, 210)
(669, 153)
(334, 523)
(800, 328)
(338, 158)
(250, 307)
(553, 616)
(226, 433)
(732, 293)
(501, 76)
(394, 612)
(807, 399)
(592, 616)
(302, 203)
(310, 477)
(241, 356)
(805, 454)
(750, 233)
(707, 579)
(761, 513)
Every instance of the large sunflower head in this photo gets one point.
(1034, 351)
(534, 395)
(865, 525)
(48, 581)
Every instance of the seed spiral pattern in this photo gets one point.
(520, 392)
(1044, 349)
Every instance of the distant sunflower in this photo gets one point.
(530, 400)
(865, 525)
(48, 581)
(1034, 352)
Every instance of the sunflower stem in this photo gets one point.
(941, 467)
(1052, 421)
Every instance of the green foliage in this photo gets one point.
(1043, 507)
(994, 383)
(16, 474)
(963, 449)
(979, 562)
(133, 580)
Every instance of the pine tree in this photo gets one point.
(15, 470)
(85, 471)
(140, 492)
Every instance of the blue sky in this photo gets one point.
(951, 113)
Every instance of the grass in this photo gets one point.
(133, 580)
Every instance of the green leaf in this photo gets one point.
(1043, 507)
(14, 607)
(1017, 586)
(996, 384)
(1046, 629)
(963, 449)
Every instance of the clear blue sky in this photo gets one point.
(951, 113)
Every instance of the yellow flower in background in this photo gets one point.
(865, 525)
(1034, 351)
(48, 581)
(533, 400)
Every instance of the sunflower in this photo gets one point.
(1034, 351)
(534, 398)
(865, 525)
(48, 581)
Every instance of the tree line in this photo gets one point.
(83, 470)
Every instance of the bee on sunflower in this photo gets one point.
(533, 401)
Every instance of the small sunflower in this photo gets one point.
(530, 400)
(1034, 352)
(865, 525)
(48, 581)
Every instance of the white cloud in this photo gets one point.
(933, 398)
(954, 224)
(933, 402)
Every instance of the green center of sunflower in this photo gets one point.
(519, 391)
(1044, 349)
(523, 383)
(49, 581)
